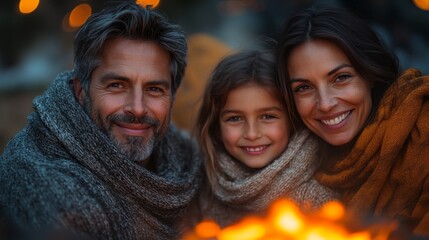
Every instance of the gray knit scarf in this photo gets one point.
(241, 191)
(62, 171)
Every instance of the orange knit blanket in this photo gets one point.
(387, 171)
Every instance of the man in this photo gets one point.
(99, 158)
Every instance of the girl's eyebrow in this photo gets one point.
(274, 108)
(226, 111)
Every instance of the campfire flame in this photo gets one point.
(284, 220)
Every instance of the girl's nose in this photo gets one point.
(252, 131)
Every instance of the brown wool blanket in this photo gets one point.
(387, 171)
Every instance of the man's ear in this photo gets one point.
(79, 93)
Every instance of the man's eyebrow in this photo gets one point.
(163, 82)
(110, 76)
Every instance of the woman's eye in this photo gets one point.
(301, 88)
(343, 77)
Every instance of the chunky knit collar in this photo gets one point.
(290, 175)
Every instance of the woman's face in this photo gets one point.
(332, 99)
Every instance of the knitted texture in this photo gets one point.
(62, 172)
(387, 171)
(241, 191)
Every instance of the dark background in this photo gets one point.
(35, 47)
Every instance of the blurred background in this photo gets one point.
(37, 36)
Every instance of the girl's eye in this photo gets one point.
(268, 117)
(233, 119)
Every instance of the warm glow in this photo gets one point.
(79, 15)
(251, 228)
(363, 236)
(286, 221)
(325, 231)
(286, 216)
(148, 3)
(207, 229)
(28, 6)
(333, 210)
(422, 4)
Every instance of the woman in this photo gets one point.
(342, 83)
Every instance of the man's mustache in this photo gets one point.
(130, 119)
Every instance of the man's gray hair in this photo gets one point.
(131, 21)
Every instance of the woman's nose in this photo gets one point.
(326, 100)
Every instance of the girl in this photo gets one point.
(252, 155)
(373, 126)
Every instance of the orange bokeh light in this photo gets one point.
(79, 15)
(422, 4)
(148, 3)
(28, 6)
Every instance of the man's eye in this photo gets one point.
(116, 85)
(155, 89)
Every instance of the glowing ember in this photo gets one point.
(285, 221)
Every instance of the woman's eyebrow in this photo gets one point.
(338, 68)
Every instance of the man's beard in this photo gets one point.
(136, 148)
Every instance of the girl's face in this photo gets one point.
(254, 126)
(332, 99)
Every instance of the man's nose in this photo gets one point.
(135, 104)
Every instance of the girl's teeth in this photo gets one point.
(254, 149)
(336, 120)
